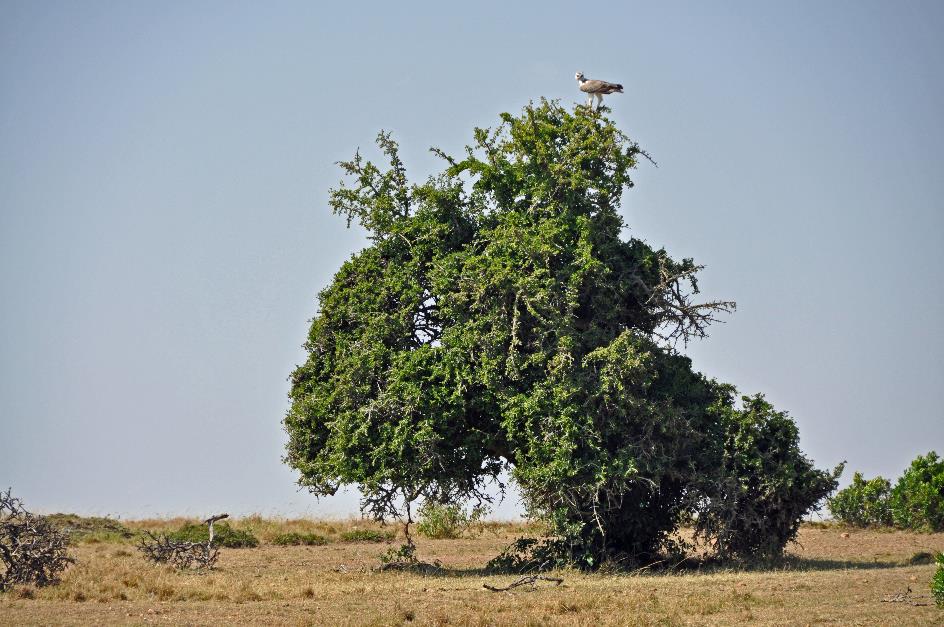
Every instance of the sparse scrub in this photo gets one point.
(91, 528)
(265, 529)
(295, 539)
(367, 535)
(442, 521)
(225, 535)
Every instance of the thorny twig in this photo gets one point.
(679, 317)
(32, 550)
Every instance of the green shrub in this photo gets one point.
(764, 486)
(917, 500)
(863, 503)
(937, 582)
(223, 535)
(366, 535)
(295, 539)
(443, 521)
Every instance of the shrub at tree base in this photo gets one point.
(917, 500)
(223, 535)
(499, 321)
(367, 535)
(863, 503)
(766, 484)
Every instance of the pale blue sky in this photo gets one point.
(164, 170)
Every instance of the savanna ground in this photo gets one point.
(834, 575)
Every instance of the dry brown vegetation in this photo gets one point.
(834, 575)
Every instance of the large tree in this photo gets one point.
(499, 320)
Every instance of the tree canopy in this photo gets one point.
(499, 320)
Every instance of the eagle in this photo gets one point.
(596, 88)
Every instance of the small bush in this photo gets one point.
(937, 582)
(299, 539)
(917, 500)
(223, 535)
(863, 503)
(366, 535)
(443, 521)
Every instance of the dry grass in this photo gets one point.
(831, 579)
(266, 529)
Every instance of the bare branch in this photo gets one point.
(677, 317)
(529, 580)
(163, 549)
(32, 550)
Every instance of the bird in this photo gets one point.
(596, 88)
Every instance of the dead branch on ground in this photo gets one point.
(908, 597)
(32, 550)
(182, 554)
(525, 581)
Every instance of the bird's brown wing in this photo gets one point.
(600, 87)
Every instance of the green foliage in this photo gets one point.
(405, 554)
(296, 539)
(223, 535)
(863, 503)
(764, 485)
(917, 500)
(531, 555)
(499, 320)
(367, 535)
(441, 521)
(524, 555)
(937, 582)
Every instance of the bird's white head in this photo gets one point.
(579, 76)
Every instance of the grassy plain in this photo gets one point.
(833, 576)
